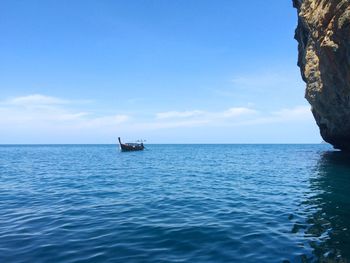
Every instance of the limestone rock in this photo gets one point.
(323, 34)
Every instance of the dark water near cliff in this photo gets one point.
(174, 203)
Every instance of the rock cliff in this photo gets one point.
(323, 34)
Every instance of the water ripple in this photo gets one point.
(174, 203)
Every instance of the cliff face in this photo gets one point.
(323, 34)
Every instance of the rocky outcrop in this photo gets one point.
(323, 34)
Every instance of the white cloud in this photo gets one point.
(235, 112)
(155, 125)
(106, 121)
(287, 115)
(298, 113)
(34, 112)
(53, 117)
(35, 100)
(178, 114)
(195, 118)
(235, 116)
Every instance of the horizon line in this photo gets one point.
(263, 143)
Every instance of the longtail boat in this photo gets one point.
(127, 147)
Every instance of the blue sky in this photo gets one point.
(167, 71)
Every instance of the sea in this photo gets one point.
(174, 203)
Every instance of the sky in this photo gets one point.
(168, 71)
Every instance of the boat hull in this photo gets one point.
(129, 148)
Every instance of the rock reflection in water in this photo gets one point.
(329, 225)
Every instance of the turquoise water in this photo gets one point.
(174, 203)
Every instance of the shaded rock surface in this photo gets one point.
(323, 34)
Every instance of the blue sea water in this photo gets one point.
(174, 203)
